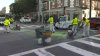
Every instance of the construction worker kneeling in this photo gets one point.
(7, 25)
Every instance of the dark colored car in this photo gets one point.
(95, 23)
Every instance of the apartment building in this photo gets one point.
(62, 7)
(71, 7)
(95, 9)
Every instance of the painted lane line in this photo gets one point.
(96, 38)
(43, 52)
(39, 52)
(89, 43)
(34, 50)
(23, 53)
(77, 50)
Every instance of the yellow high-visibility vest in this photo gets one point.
(87, 22)
(51, 20)
(75, 21)
(6, 22)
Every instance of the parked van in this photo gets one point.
(63, 23)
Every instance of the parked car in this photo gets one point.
(95, 23)
(63, 23)
(2, 20)
(25, 20)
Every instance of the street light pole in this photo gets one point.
(90, 8)
(49, 7)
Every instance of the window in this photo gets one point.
(77, 2)
(66, 2)
(53, 4)
(71, 3)
(59, 3)
(45, 6)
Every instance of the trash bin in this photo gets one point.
(39, 35)
(42, 34)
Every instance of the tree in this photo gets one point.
(23, 6)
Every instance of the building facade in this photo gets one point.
(95, 9)
(70, 8)
(62, 7)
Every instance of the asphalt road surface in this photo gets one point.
(89, 46)
(24, 43)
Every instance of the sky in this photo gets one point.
(5, 3)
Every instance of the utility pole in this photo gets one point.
(90, 8)
(40, 13)
(49, 7)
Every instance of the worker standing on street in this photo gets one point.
(7, 25)
(51, 23)
(75, 23)
(86, 27)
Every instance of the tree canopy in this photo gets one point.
(23, 6)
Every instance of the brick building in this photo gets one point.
(70, 7)
(62, 7)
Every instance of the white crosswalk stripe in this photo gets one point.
(77, 50)
(89, 43)
(66, 46)
(94, 38)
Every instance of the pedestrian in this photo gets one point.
(51, 24)
(75, 23)
(86, 27)
(7, 25)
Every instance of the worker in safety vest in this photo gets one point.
(75, 23)
(51, 23)
(7, 24)
(86, 26)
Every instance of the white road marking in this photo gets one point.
(96, 38)
(89, 43)
(37, 51)
(43, 52)
(77, 50)
(63, 45)
(23, 53)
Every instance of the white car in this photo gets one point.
(63, 24)
(2, 20)
(25, 20)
